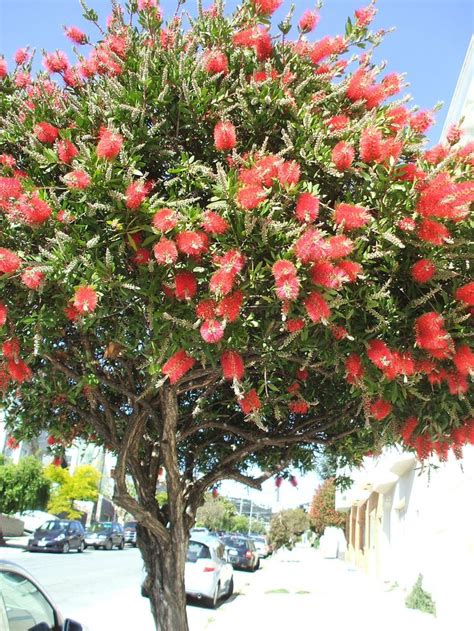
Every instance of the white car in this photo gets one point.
(207, 574)
(262, 546)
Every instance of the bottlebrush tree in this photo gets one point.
(323, 511)
(222, 248)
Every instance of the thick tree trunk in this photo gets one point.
(164, 582)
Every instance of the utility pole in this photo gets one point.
(250, 516)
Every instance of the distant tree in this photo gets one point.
(83, 484)
(286, 526)
(323, 511)
(215, 513)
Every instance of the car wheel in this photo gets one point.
(230, 590)
(134, 544)
(108, 545)
(121, 545)
(81, 547)
(258, 565)
(215, 598)
(96, 547)
(66, 548)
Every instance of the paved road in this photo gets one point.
(296, 590)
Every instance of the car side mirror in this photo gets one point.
(72, 625)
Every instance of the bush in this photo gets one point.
(420, 599)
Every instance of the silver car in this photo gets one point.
(207, 574)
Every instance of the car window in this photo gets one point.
(25, 605)
(197, 551)
(55, 524)
(235, 542)
(130, 524)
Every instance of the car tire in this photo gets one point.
(96, 547)
(66, 548)
(257, 567)
(121, 545)
(134, 544)
(82, 547)
(108, 545)
(230, 589)
(214, 600)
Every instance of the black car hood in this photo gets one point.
(49, 534)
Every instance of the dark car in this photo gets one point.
(241, 552)
(106, 535)
(25, 605)
(130, 532)
(59, 535)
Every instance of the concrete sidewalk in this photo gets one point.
(303, 591)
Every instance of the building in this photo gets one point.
(462, 103)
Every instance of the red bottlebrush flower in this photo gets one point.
(257, 38)
(342, 156)
(365, 16)
(287, 288)
(3, 314)
(206, 309)
(436, 155)
(21, 56)
(308, 21)
(32, 278)
(165, 219)
(45, 132)
(12, 443)
(230, 306)
(317, 307)
(430, 332)
(141, 257)
(224, 136)
(391, 84)
(250, 402)
(85, 299)
(3, 68)
(185, 285)
(433, 232)
(457, 384)
(351, 217)
(354, 368)
(144, 5)
(192, 243)
(423, 271)
(8, 161)
(56, 62)
(221, 282)
(213, 223)
(339, 332)
(311, 246)
(9, 261)
(135, 194)
(232, 261)
(232, 366)
(408, 428)
(397, 117)
(282, 269)
(407, 224)
(421, 121)
(443, 198)
(325, 47)
(71, 313)
(454, 134)
(249, 197)
(371, 145)
(75, 35)
(307, 208)
(299, 407)
(349, 270)
(380, 408)
(278, 481)
(288, 173)
(294, 387)
(177, 366)
(294, 325)
(109, 145)
(338, 123)
(11, 348)
(410, 172)
(324, 273)
(66, 151)
(338, 246)
(18, 370)
(463, 294)
(212, 331)
(464, 360)
(77, 179)
(165, 251)
(379, 354)
(302, 374)
(34, 211)
(51, 440)
(266, 7)
(215, 62)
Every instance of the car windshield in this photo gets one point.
(235, 542)
(197, 551)
(99, 527)
(55, 524)
(130, 524)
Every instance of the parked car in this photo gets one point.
(60, 535)
(199, 530)
(24, 605)
(105, 535)
(130, 532)
(207, 573)
(262, 546)
(241, 552)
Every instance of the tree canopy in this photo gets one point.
(222, 247)
(83, 484)
(286, 526)
(323, 511)
(23, 486)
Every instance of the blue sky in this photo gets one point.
(429, 43)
